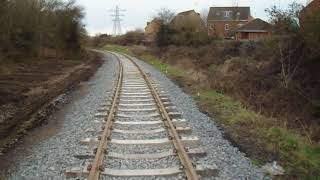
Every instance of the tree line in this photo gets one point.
(40, 27)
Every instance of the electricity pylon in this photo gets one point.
(117, 20)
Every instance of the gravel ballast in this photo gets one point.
(167, 162)
(232, 163)
(48, 158)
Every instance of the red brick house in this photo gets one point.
(223, 21)
(313, 5)
(254, 30)
(311, 8)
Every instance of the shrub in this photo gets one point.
(133, 37)
(40, 24)
(165, 36)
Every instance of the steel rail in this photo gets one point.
(97, 165)
(181, 151)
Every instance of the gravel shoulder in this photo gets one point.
(232, 163)
(48, 157)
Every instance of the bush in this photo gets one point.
(165, 36)
(40, 24)
(133, 37)
(168, 36)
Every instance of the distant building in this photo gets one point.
(223, 21)
(309, 19)
(188, 20)
(152, 29)
(311, 8)
(254, 30)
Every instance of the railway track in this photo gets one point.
(143, 135)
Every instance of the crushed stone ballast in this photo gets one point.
(142, 134)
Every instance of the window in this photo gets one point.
(238, 13)
(226, 27)
(239, 25)
(227, 13)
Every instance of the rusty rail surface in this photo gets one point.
(97, 165)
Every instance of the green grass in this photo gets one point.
(150, 59)
(167, 69)
(118, 49)
(296, 153)
(300, 158)
(229, 109)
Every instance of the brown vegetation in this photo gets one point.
(259, 75)
(130, 38)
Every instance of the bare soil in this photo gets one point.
(26, 85)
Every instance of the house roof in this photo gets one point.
(239, 13)
(256, 25)
(315, 4)
(186, 12)
(311, 7)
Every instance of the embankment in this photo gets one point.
(28, 85)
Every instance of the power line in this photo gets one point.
(117, 20)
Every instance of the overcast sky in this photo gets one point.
(138, 12)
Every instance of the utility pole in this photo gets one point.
(117, 20)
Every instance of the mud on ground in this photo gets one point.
(26, 85)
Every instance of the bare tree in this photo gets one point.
(204, 16)
(288, 66)
(165, 15)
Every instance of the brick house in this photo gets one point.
(311, 8)
(254, 30)
(188, 20)
(223, 21)
(151, 30)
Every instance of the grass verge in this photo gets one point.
(259, 136)
(119, 49)
(150, 59)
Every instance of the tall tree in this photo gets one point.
(165, 15)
